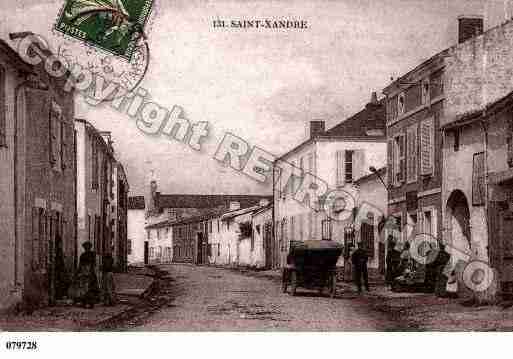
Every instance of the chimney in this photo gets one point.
(263, 202)
(469, 26)
(374, 98)
(316, 128)
(234, 205)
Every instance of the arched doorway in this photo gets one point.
(458, 222)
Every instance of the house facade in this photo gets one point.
(371, 201)
(415, 106)
(336, 157)
(160, 242)
(266, 254)
(136, 233)
(477, 153)
(37, 183)
(243, 237)
(119, 221)
(95, 190)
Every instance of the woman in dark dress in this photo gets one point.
(87, 289)
(393, 261)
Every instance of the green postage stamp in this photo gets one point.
(112, 25)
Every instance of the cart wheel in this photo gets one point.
(293, 283)
(321, 291)
(333, 285)
(284, 280)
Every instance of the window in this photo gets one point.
(428, 221)
(210, 226)
(55, 137)
(348, 176)
(94, 163)
(427, 137)
(326, 229)
(478, 184)
(437, 85)
(218, 249)
(129, 246)
(344, 167)
(3, 109)
(398, 158)
(411, 153)
(425, 91)
(392, 108)
(401, 104)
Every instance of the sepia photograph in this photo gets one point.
(304, 166)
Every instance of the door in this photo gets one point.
(506, 247)
(268, 245)
(146, 252)
(199, 259)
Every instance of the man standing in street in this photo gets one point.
(359, 259)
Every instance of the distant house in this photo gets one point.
(264, 246)
(160, 242)
(136, 234)
(237, 237)
(371, 202)
(336, 157)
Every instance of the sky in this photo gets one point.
(261, 85)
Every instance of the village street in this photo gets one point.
(212, 299)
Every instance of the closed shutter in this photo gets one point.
(35, 238)
(340, 167)
(411, 153)
(426, 146)
(390, 155)
(401, 159)
(359, 169)
(64, 144)
(3, 106)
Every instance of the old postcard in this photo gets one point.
(263, 166)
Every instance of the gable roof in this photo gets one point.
(354, 128)
(372, 117)
(206, 201)
(136, 202)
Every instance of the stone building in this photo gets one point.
(335, 157)
(37, 182)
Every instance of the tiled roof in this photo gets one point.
(360, 126)
(136, 202)
(372, 117)
(206, 201)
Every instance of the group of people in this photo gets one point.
(400, 266)
(85, 288)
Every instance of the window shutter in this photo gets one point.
(358, 164)
(3, 105)
(340, 167)
(426, 147)
(411, 148)
(391, 169)
(63, 145)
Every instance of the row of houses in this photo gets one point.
(199, 229)
(444, 133)
(60, 185)
(434, 154)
